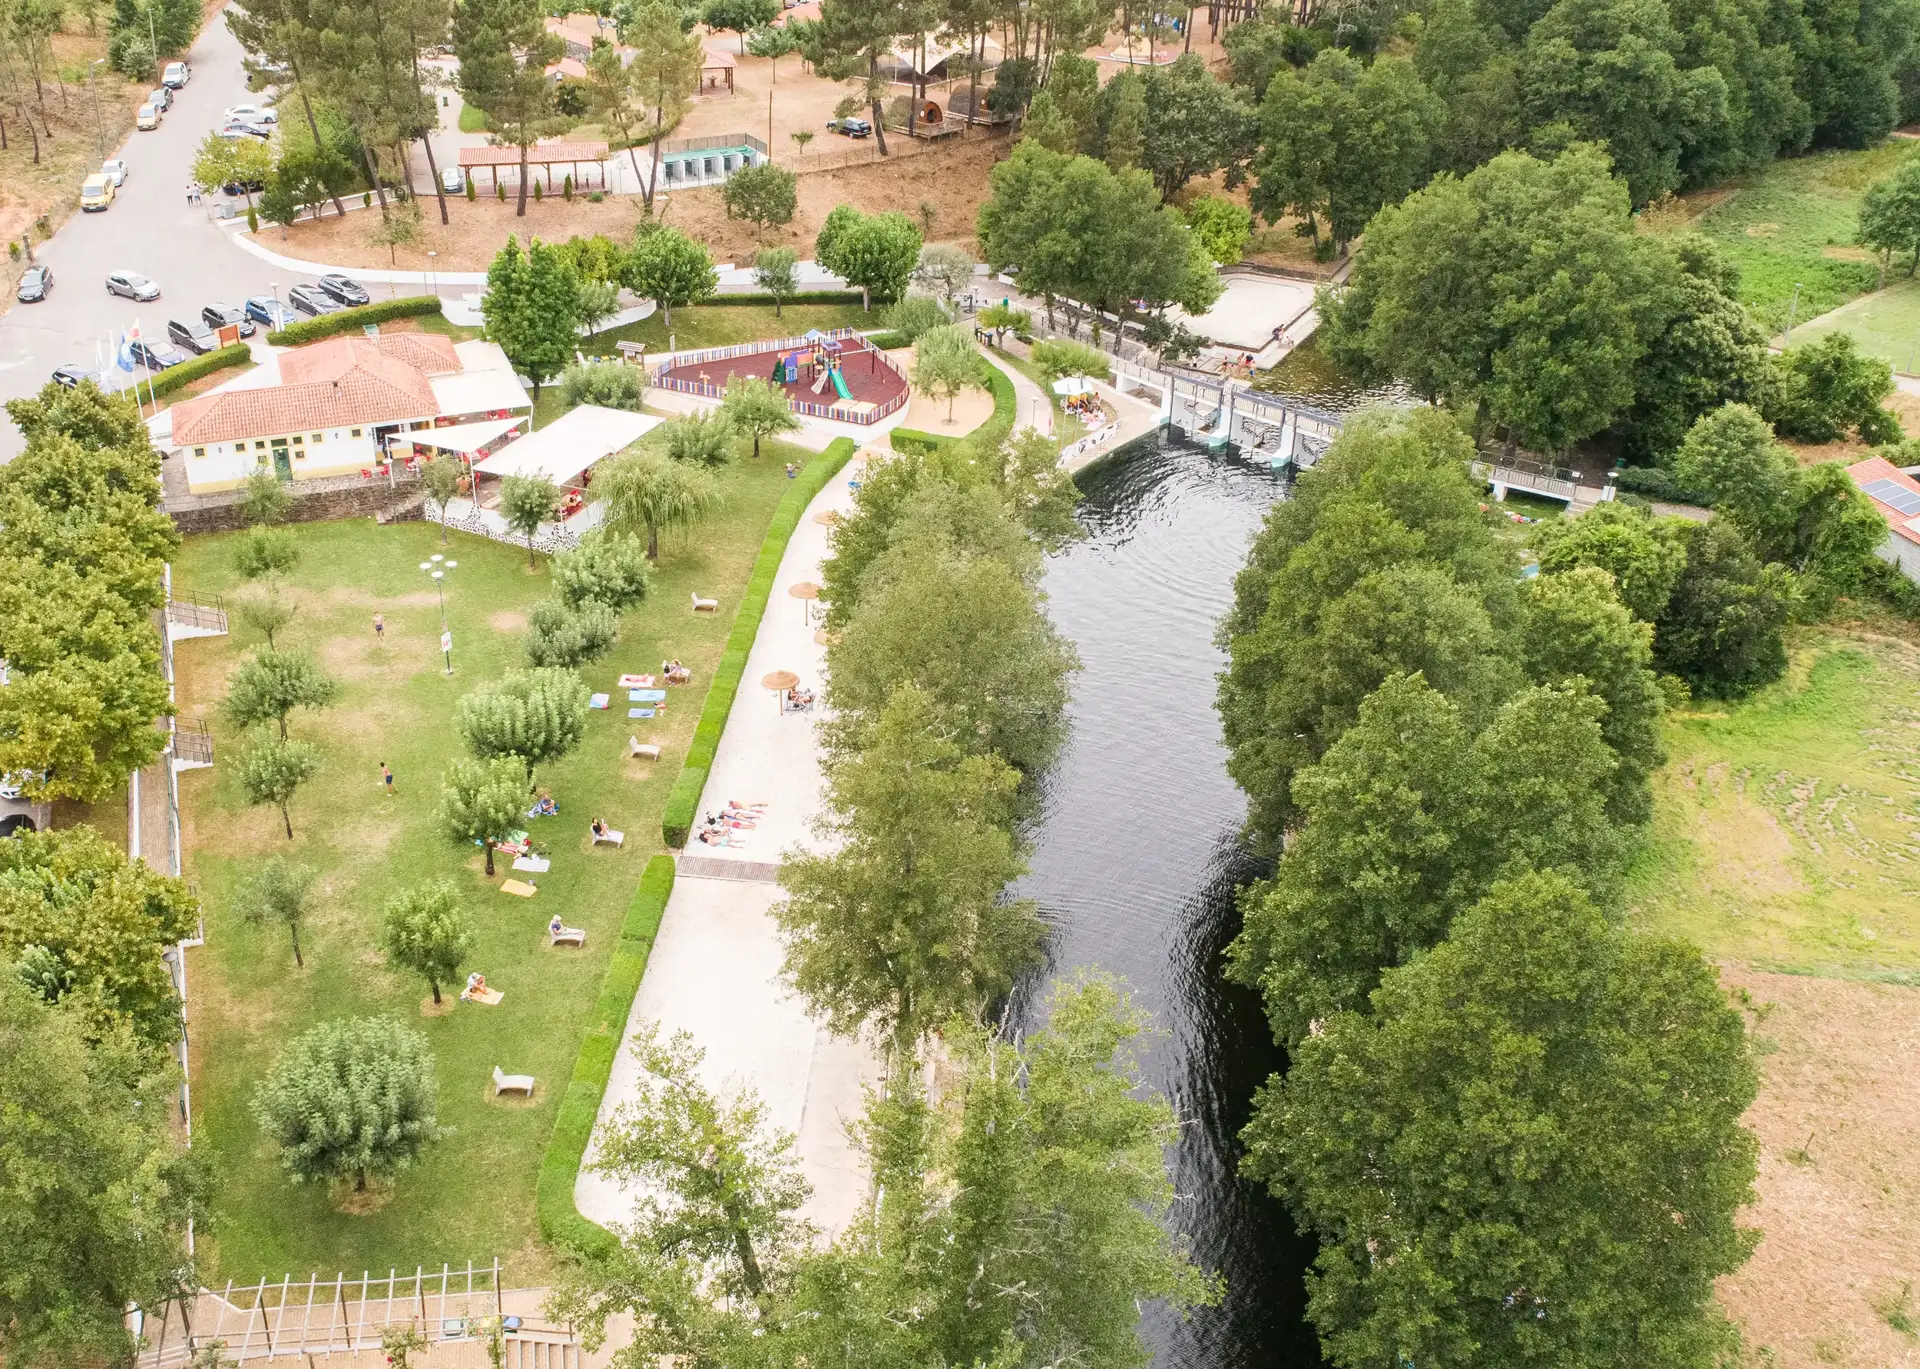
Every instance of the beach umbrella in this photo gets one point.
(827, 518)
(1073, 385)
(779, 681)
(804, 591)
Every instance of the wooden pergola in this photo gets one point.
(544, 155)
(715, 67)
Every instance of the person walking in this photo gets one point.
(386, 778)
(379, 628)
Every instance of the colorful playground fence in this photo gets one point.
(836, 412)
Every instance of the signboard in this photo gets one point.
(446, 641)
(228, 334)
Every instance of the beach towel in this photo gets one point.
(599, 701)
(646, 696)
(536, 865)
(518, 889)
(638, 712)
(486, 996)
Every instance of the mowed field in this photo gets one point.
(472, 1197)
(1787, 845)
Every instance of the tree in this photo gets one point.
(944, 268)
(1721, 631)
(531, 307)
(609, 384)
(353, 1098)
(904, 925)
(773, 272)
(1223, 227)
(537, 715)
(1642, 554)
(100, 1189)
(740, 16)
(504, 49)
(762, 195)
(1521, 288)
(1199, 124)
(611, 94)
(1837, 531)
(272, 770)
(757, 408)
(263, 499)
(664, 70)
(277, 892)
(1731, 457)
(1532, 1146)
(945, 364)
(526, 502)
(1890, 215)
(440, 477)
(594, 302)
(853, 40)
(1828, 388)
(914, 314)
(1340, 140)
(263, 553)
(483, 801)
(103, 922)
(270, 684)
(645, 493)
(221, 162)
(266, 614)
(398, 230)
(669, 267)
(424, 930)
(876, 252)
(1057, 359)
(605, 568)
(569, 635)
(697, 439)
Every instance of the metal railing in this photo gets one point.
(204, 612)
(192, 745)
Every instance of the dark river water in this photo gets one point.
(1136, 858)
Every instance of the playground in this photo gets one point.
(837, 375)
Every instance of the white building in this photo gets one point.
(1897, 495)
(333, 408)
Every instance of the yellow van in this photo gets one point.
(148, 117)
(96, 191)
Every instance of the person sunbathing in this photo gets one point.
(546, 808)
(674, 672)
(600, 828)
(476, 985)
(728, 820)
(735, 803)
(715, 838)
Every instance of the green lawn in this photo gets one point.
(472, 119)
(473, 1196)
(1787, 828)
(724, 325)
(1885, 323)
(1793, 224)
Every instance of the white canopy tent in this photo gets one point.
(570, 445)
(1073, 385)
(463, 439)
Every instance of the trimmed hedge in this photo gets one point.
(887, 342)
(350, 320)
(183, 375)
(682, 804)
(1006, 408)
(804, 297)
(560, 1221)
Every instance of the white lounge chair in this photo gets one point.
(610, 837)
(639, 750)
(511, 1083)
(574, 935)
(705, 605)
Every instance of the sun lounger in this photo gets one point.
(511, 1083)
(644, 751)
(610, 837)
(519, 889)
(575, 936)
(645, 696)
(599, 701)
(490, 997)
(705, 605)
(537, 865)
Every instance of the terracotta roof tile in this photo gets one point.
(340, 382)
(540, 154)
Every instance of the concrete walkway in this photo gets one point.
(1033, 408)
(715, 967)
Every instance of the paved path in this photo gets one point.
(715, 967)
(1032, 407)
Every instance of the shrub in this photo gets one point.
(568, 635)
(183, 375)
(1055, 359)
(886, 342)
(470, 192)
(352, 320)
(536, 192)
(1655, 483)
(610, 384)
(917, 315)
(605, 568)
(762, 195)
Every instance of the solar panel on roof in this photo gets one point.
(1893, 494)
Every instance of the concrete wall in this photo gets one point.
(1902, 553)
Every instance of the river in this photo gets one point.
(1136, 852)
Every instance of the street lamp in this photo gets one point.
(93, 92)
(431, 289)
(437, 567)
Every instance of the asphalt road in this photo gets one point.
(150, 229)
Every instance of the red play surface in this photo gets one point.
(869, 379)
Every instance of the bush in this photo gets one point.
(886, 342)
(569, 635)
(604, 569)
(1055, 359)
(352, 320)
(762, 195)
(1829, 388)
(470, 192)
(183, 375)
(610, 384)
(917, 315)
(761, 297)
(1655, 483)
(560, 1221)
(684, 802)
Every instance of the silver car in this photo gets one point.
(133, 285)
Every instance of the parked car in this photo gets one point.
(269, 311)
(96, 192)
(147, 119)
(160, 98)
(218, 316)
(192, 336)
(348, 292)
(176, 75)
(240, 128)
(156, 356)
(452, 180)
(70, 375)
(252, 114)
(243, 187)
(35, 285)
(852, 128)
(133, 285)
(114, 170)
(310, 299)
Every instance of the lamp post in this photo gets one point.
(432, 289)
(93, 93)
(437, 567)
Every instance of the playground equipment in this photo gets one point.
(819, 361)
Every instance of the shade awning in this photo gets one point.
(570, 444)
(464, 438)
(1073, 385)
